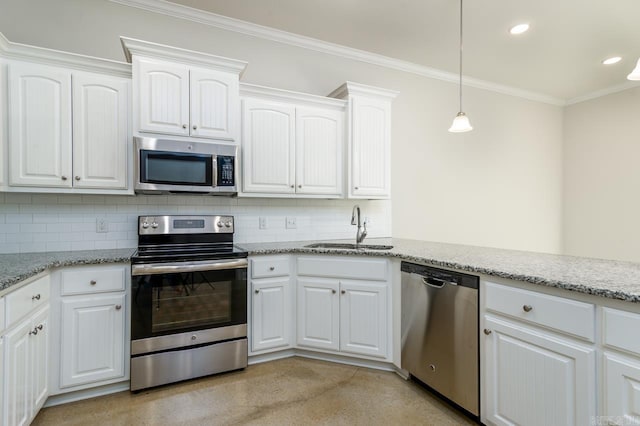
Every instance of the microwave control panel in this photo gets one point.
(226, 171)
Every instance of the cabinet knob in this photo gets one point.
(527, 308)
(33, 332)
(118, 307)
(257, 291)
(343, 292)
(487, 331)
(184, 126)
(333, 291)
(271, 268)
(77, 177)
(299, 186)
(195, 127)
(63, 177)
(356, 188)
(293, 186)
(93, 282)
(36, 297)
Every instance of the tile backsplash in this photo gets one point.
(61, 222)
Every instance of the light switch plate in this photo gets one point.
(291, 222)
(102, 225)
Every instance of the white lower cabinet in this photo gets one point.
(271, 313)
(621, 376)
(318, 313)
(345, 315)
(92, 339)
(27, 368)
(536, 378)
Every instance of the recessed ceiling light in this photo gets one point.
(519, 29)
(612, 60)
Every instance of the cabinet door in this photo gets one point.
(363, 318)
(370, 149)
(319, 136)
(621, 389)
(534, 378)
(92, 339)
(268, 147)
(100, 131)
(17, 380)
(215, 104)
(40, 126)
(2, 381)
(163, 96)
(318, 313)
(39, 356)
(271, 313)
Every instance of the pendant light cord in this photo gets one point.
(460, 81)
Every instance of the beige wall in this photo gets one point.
(602, 177)
(497, 186)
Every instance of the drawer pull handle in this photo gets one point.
(93, 282)
(271, 268)
(527, 308)
(36, 297)
(118, 307)
(35, 330)
(487, 331)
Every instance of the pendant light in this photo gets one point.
(635, 74)
(461, 121)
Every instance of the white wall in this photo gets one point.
(602, 177)
(497, 186)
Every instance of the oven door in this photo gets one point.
(190, 303)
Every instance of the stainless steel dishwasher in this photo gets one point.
(440, 332)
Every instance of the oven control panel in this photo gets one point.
(161, 225)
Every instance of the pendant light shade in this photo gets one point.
(461, 121)
(635, 74)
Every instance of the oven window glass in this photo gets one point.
(176, 168)
(179, 302)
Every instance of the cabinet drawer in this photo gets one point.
(565, 315)
(358, 269)
(621, 330)
(276, 266)
(93, 280)
(22, 301)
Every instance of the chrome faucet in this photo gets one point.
(362, 228)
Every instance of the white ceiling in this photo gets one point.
(560, 56)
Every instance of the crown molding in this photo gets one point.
(133, 46)
(351, 88)
(604, 92)
(53, 57)
(223, 22)
(281, 95)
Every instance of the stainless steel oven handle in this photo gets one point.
(202, 265)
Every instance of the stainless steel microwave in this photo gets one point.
(164, 166)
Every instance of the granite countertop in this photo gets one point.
(606, 278)
(20, 266)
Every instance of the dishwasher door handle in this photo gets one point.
(436, 282)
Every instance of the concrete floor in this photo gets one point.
(284, 392)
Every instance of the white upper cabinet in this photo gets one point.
(184, 92)
(100, 131)
(319, 135)
(163, 96)
(215, 104)
(369, 140)
(292, 144)
(40, 125)
(268, 132)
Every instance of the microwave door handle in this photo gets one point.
(214, 170)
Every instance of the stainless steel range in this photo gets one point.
(188, 300)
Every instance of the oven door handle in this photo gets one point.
(202, 265)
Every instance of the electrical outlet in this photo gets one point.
(291, 223)
(102, 225)
(262, 222)
(369, 224)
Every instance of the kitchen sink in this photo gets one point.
(347, 246)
